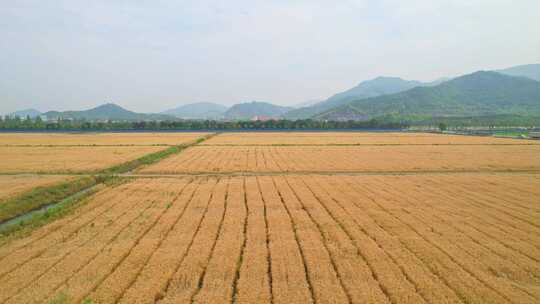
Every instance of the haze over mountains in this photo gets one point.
(365, 89)
(32, 113)
(512, 91)
(477, 94)
(528, 70)
(199, 110)
(255, 110)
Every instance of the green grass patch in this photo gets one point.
(512, 133)
(61, 298)
(87, 301)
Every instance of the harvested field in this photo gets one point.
(67, 159)
(431, 238)
(12, 185)
(351, 159)
(105, 139)
(357, 138)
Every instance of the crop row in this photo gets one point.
(295, 239)
(357, 138)
(350, 159)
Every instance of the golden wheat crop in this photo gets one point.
(67, 159)
(444, 238)
(406, 218)
(105, 139)
(356, 138)
(351, 159)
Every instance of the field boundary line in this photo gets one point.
(286, 172)
(337, 173)
(362, 145)
(86, 146)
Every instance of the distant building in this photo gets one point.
(261, 118)
(535, 135)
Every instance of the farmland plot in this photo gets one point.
(99, 139)
(67, 159)
(430, 238)
(351, 159)
(12, 185)
(357, 138)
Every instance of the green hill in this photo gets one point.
(252, 109)
(109, 111)
(370, 88)
(477, 94)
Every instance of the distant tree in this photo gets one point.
(442, 127)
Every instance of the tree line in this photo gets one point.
(18, 123)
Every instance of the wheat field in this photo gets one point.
(67, 159)
(98, 139)
(351, 159)
(289, 239)
(244, 223)
(355, 138)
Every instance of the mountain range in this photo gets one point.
(479, 93)
(365, 89)
(511, 91)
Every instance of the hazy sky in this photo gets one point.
(150, 55)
